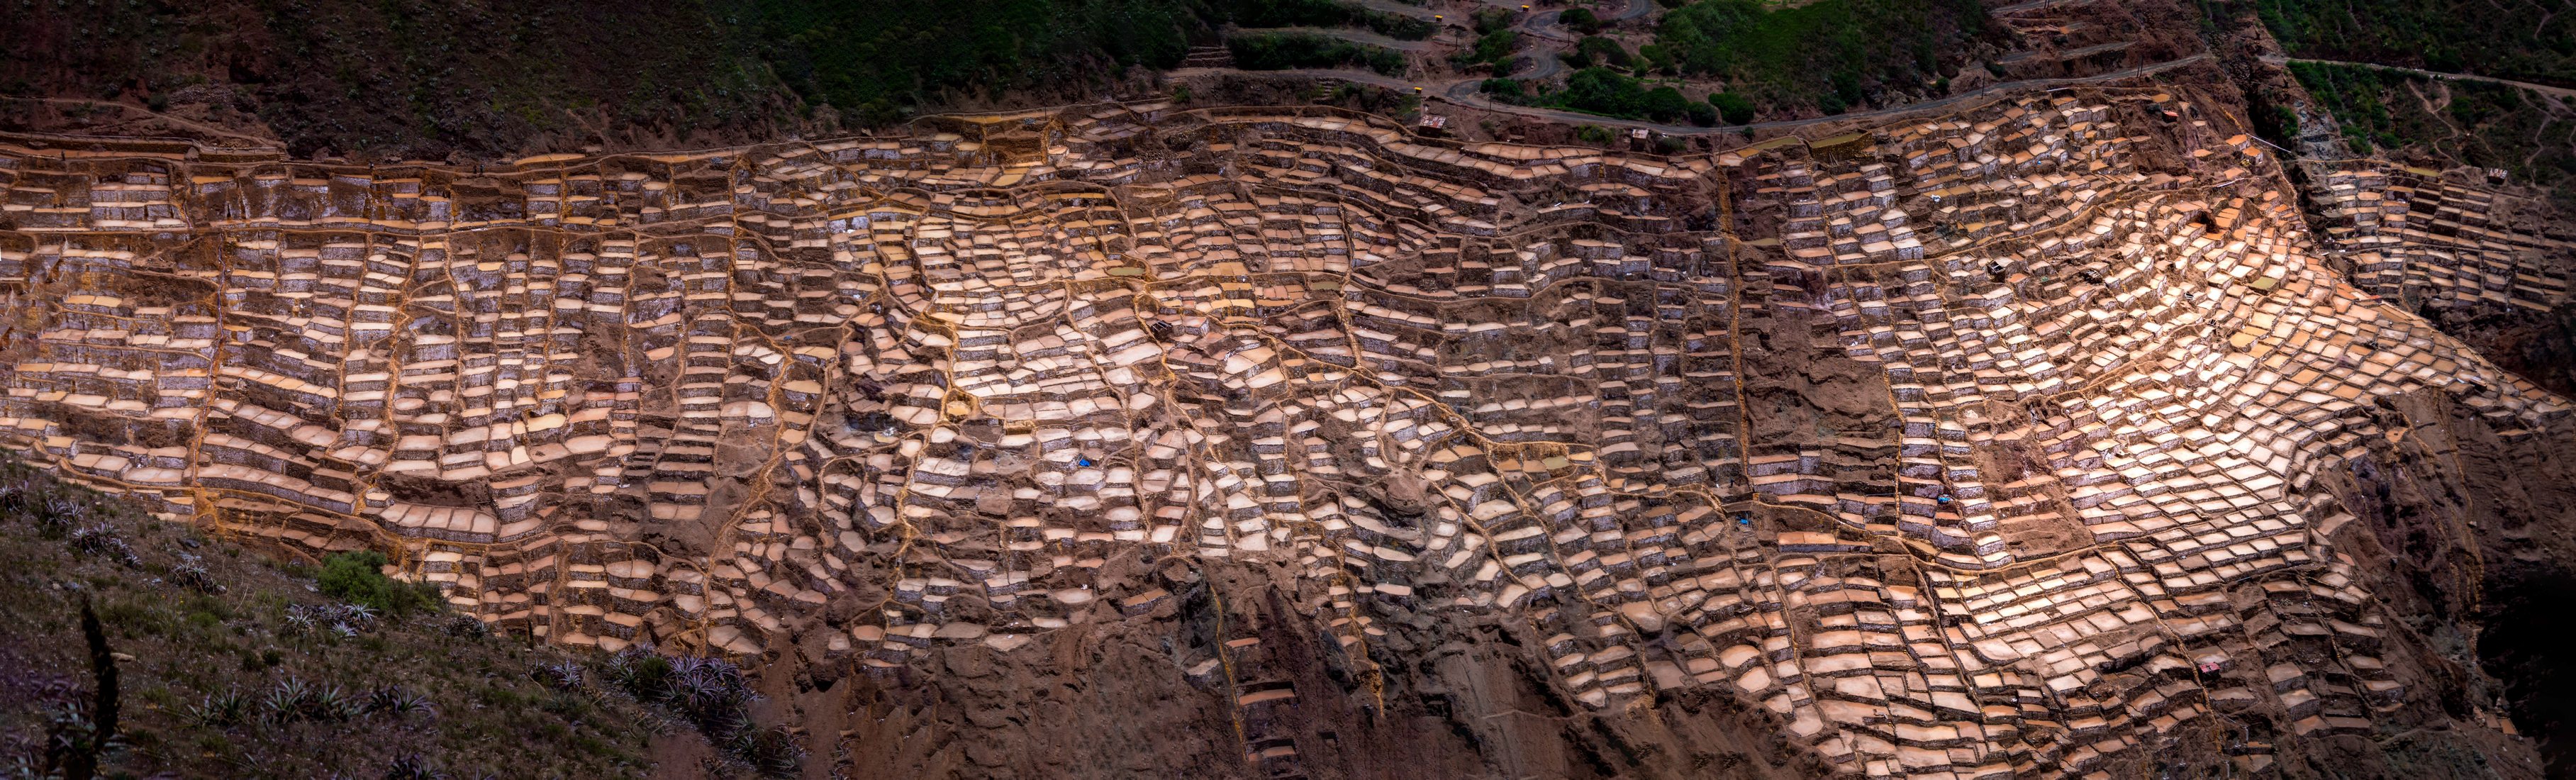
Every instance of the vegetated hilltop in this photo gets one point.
(1831, 53)
(228, 663)
(2446, 122)
(422, 80)
(2527, 40)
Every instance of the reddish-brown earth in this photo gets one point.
(1138, 440)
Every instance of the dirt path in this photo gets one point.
(2540, 88)
(151, 114)
(1463, 92)
(1544, 25)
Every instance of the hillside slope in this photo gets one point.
(231, 664)
(420, 80)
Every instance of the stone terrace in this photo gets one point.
(692, 399)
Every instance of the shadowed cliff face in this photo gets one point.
(2473, 530)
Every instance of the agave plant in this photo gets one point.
(285, 702)
(54, 513)
(771, 751)
(394, 701)
(101, 540)
(328, 703)
(412, 703)
(71, 731)
(642, 672)
(563, 676)
(221, 710)
(711, 691)
(193, 575)
(354, 614)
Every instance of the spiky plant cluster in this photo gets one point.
(770, 751)
(191, 574)
(71, 732)
(100, 539)
(562, 676)
(395, 702)
(339, 620)
(219, 710)
(711, 692)
(292, 700)
(53, 509)
(713, 695)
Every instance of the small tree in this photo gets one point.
(359, 577)
(1702, 114)
(1666, 104)
(1581, 19)
(1733, 107)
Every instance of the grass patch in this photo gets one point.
(250, 672)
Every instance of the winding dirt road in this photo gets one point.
(1463, 92)
(2544, 89)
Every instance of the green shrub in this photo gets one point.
(1702, 114)
(358, 577)
(1581, 19)
(1657, 58)
(1604, 91)
(1495, 47)
(1732, 107)
(1665, 104)
(1598, 50)
(1592, 134)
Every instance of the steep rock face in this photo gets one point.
(2029, 437)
